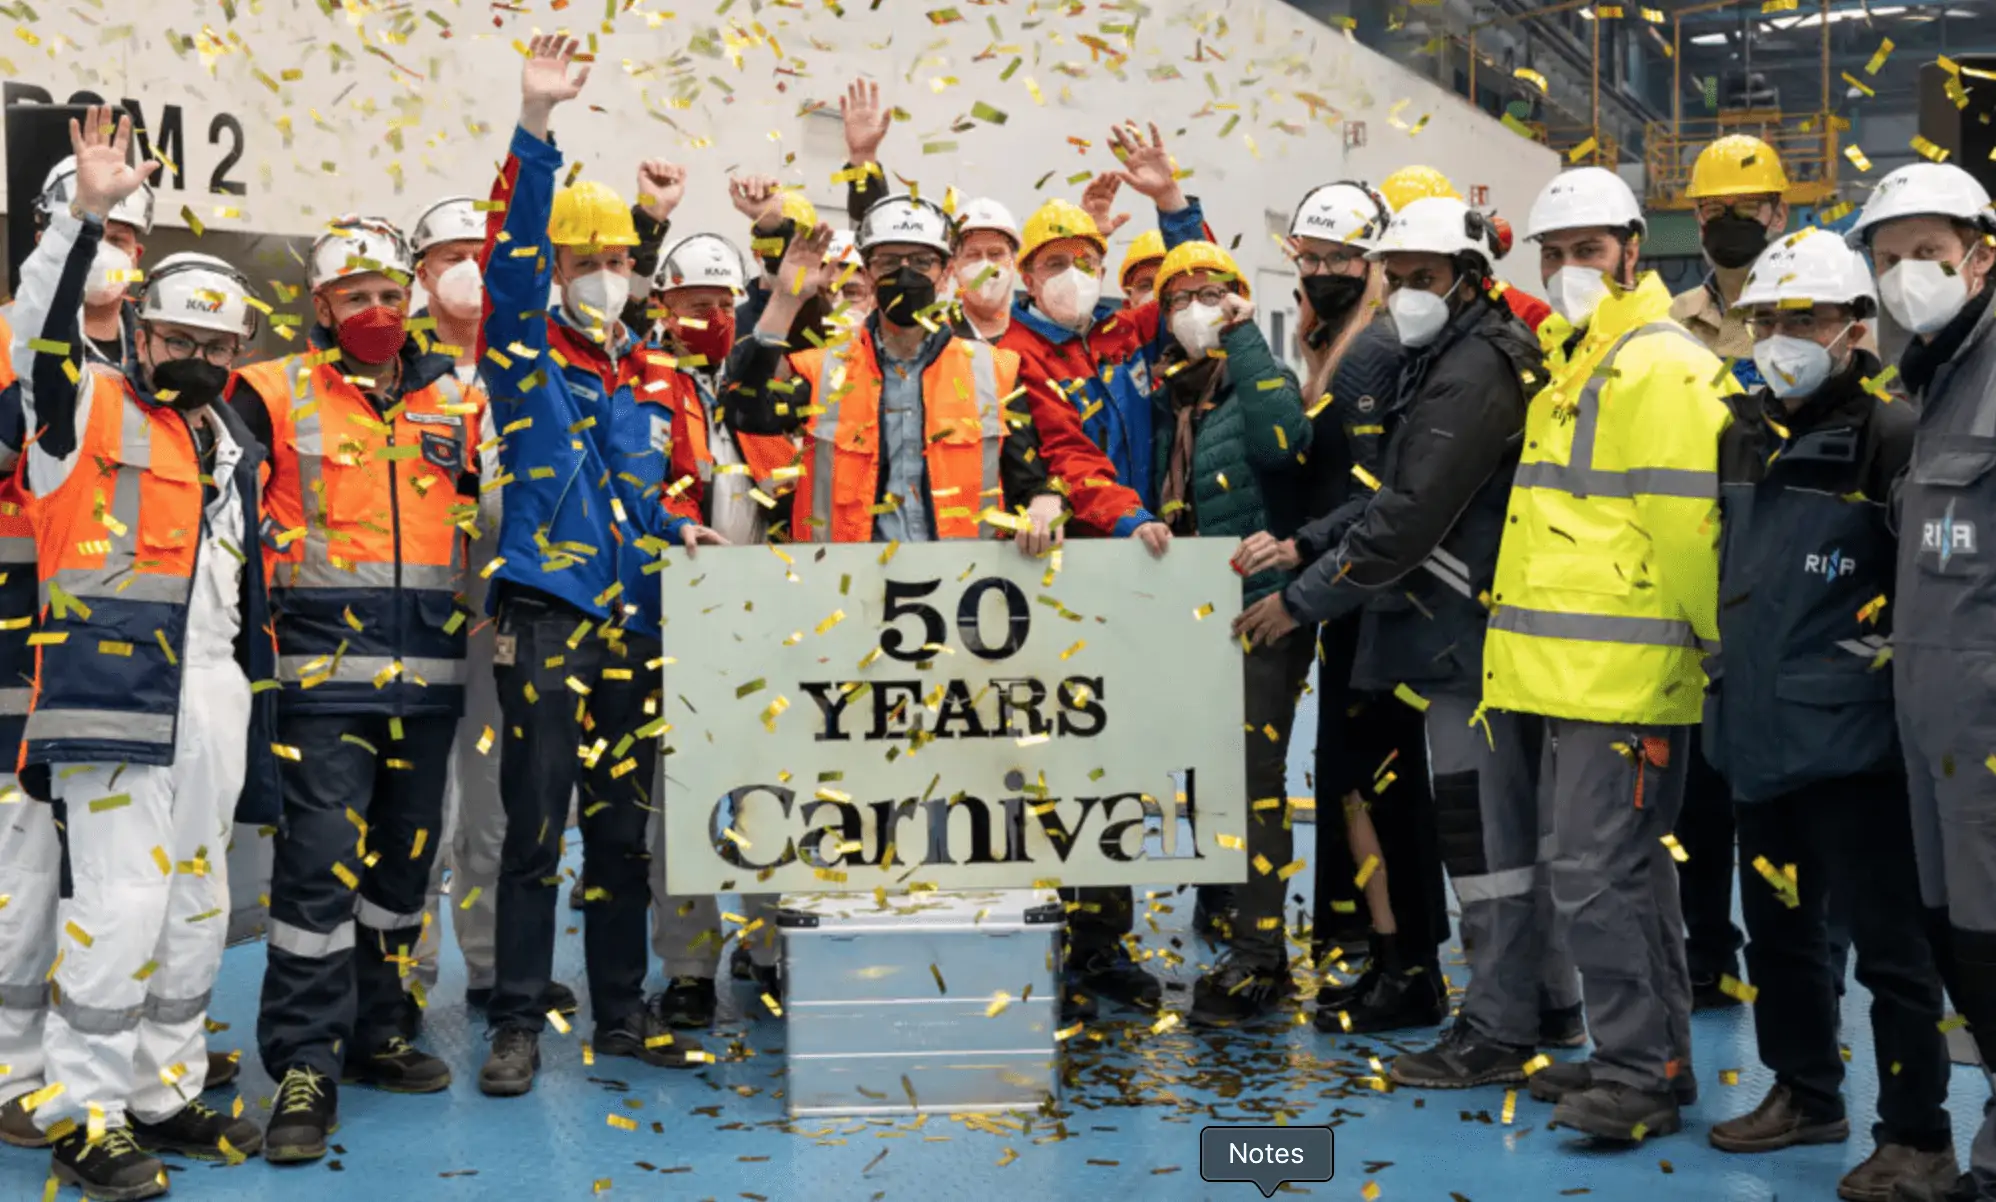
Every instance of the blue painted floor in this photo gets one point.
(1129, 1129)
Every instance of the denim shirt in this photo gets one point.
(904, 464)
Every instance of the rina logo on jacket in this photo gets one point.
(1831, 565)
(1945, 537)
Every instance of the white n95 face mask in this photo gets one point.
(601, 290)
(1792, 367)
(1575, 292)
(107, 278)
(1197, 328)
(994, 286)
(461, 289)
(1069, 298)
(1924, 294)
(1418, 315)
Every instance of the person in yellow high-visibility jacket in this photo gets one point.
(1604, 607)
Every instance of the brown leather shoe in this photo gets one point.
(1890, 1164)
(17, 1127)
(1778, 1122)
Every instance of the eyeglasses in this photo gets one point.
(924, 262)
(221, 353)
(1420, 281)
(1212, 294)
(1745, 210)
(1310, 263)
(1796, 323)
(1050, 265)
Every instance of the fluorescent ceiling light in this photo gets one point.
(1849, 14)
(1711, 39)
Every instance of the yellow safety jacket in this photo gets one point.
(1606, 597)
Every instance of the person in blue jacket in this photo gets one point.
(582, 454)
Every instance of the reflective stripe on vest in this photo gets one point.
(1580, 478)
(961, 517)
(378, 670)
(1599, 628)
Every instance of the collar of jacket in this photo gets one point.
(1046, 327)
(600, 358)
(1841, 400)
(932, 345)
(1622, 312)
(1923, 360)
(420, 368)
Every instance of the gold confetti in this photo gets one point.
(556, 1021)
(1676, 849)
(1733, 987)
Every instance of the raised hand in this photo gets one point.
(756, 197)
(866, 121)
(1146, 165)
(807, 268)
(545, 81)
(661, 186)
(1234, 310)
(103, 178)
(1099, 198)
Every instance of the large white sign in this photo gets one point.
(952, 714)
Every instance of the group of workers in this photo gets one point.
(336, 591)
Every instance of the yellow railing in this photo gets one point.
(1807, 146)
(1566, 138)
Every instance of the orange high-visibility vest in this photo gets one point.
(771, 459)
(963, 433)
(364, 527)
(17, 563)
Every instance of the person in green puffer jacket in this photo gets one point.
(1230, 439)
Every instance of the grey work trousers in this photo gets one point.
(1492, 831)
(1273, 675)
(1615, 792)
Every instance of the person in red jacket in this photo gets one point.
(1528, 308)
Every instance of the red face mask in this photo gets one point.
(713, 342)
(373, 335)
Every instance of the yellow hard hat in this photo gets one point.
(1410, 184)
(1057, 219)
(590, 214)
(1737, 165)
(1148, 248)
(799, 210)
(1188, 257)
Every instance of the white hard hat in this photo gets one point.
(199, 290)
(1585, 198)
(904, 219)
(452, 219)
(1924, 190)
(357, 246)
(1342, 212)
(987, 214)
(702, 261)
(1812, 265)
(60, 188)
(843, 249)
(1437, 225)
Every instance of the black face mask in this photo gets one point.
(1331, 295)
(904, 294)
(193, 382)
(1734, 242)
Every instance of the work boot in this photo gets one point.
(17, 1126)
(223, 1070)
(1563, 1028)
(1110, 972)
(114, 1169)
(1397, 1001)
(687, 1004)
(1333, 998)
(511, 1064)
(1610, 1110)
(1563, 1077)
(1896, 1165)
(1462, 1059)
(1962, 1189)
(307, 1111)
(643, 1035)
(1077, 1005)
(1778, 1122)
(396, 1067)
(1236, 991)
(199, 1131)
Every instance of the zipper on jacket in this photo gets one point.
(395, 524)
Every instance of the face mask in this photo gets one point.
(1069, 298)
(373, 335)
(1923, 294)
(902, 295)
(1331, 296)
(1734, 242)
(993, 289)
(1418, 315)
(712, 343)
(1197, 328)
(1575, 292)
(1793, 367)
(460, 290)
(602, 290)
(191, 383)
(107, 282)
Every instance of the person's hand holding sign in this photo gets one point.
(1043, 526)
(1265, 621)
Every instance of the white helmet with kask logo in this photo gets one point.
(1345, 212)
(60, 188)
(702, 261)
(358, 246)
(452, 219)
(907, 221)
(198, 290)
(1810, 267)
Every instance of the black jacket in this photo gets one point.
(1349, 432)
(1422, 550)
(1799, 692)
